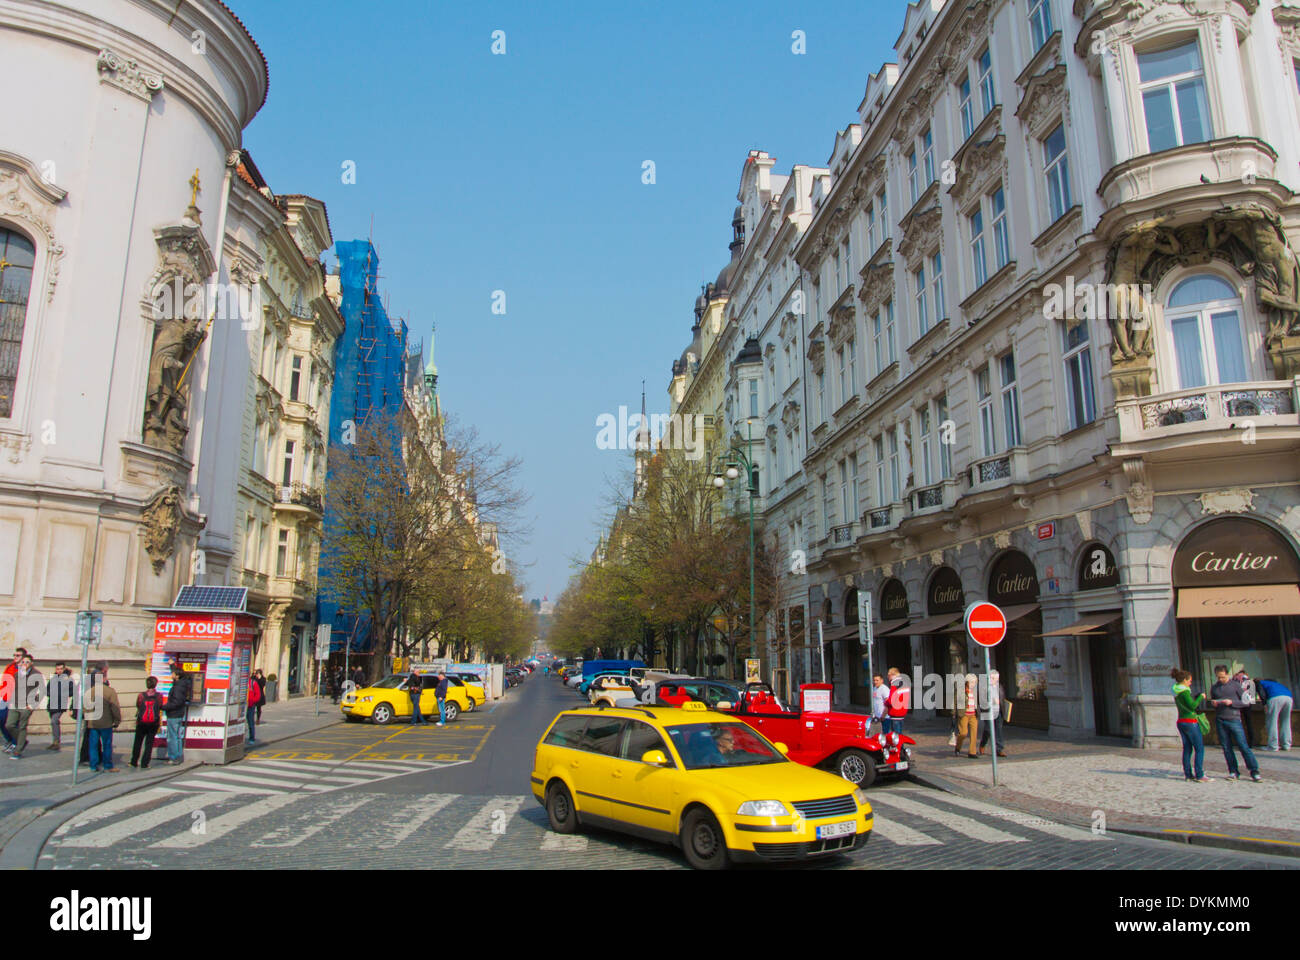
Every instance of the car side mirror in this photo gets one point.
(656, 757)
(782, 747)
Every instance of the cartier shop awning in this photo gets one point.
(1266, 600)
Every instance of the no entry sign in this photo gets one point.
(986, 624)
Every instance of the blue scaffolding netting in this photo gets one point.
(370, 370)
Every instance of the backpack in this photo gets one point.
(149, 707)
(254, 692)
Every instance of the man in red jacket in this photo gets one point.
(254, 698)
(8, 683)
(899, 702)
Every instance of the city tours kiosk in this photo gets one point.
(211, 634)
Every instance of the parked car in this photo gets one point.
(695, 778)
(834, 740)
(711, 693)
(387, 700)
(609, 690)
(473, 684)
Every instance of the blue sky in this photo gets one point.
(523, 173)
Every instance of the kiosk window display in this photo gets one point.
(211, 635)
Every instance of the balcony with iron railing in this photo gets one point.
(300, 495)
(934, 498)
(1213, 419)
(1002, 470)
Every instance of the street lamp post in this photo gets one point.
(740, 460)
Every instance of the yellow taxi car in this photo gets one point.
(697, 779)
(387, 700)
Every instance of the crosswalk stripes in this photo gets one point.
(312, 822)
(953, 821)
(120, 830)
(110, 808)
(417, 814)
(486, 826)
(266, 777)
(1026, 820)
(218, 827)
(898, 833)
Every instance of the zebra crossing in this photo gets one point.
(159, 823)
(271, 777)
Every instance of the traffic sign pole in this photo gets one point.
(993, 728)
(986, 624)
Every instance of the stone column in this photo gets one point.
(274, 654)
(1152, 650)
(1236, 114)
(1117, 108)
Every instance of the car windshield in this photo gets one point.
(704, 746)
(390, 683)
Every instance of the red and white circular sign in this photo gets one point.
(986, 624)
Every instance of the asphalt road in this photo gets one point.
(457, 797)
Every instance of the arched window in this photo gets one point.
(17, 256)
(1203, 315)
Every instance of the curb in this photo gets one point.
(21, 850)
(1198, 838)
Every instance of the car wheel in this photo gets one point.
(559, 808)
(857, 767)
(470, 701)
(453, 711)
(383, 714)
(703, 841)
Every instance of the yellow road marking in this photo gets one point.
(1228, 836)
(474, 756)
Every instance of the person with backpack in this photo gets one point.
(176, 708)
(250, 711)
(261, 686)
(898, 701)
(148, 717)
(413, 689)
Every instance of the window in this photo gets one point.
(878, 447)
(912, 183)
(817, 294)
(1001, 239)
(789, 368)
(967, 113)
(639, 739)
(1204, 317)
(844, 394)
(927, 157)
(821, 397)
(17, 259)
(845, 514)
(567, 732)
(1010, 398)
(984, 397)
(1296, 65)
(259, 448)
(288, 462)
(1056, 167)
(892, 439)
(922, 310)
(924, 430)
(250, 544)
(851, 348)
(282, 555)
(977, 248)
(945, 446)
(1081, 404)
(882, 205)
(844, 264)
(295, 377)
(888, 310)
(985, 67)
(263, 544)
(603, 735)
(753, 398)
(1040, 22)
(835, 269)
(1172, 83)
(872, 241)
(826, 507)
(936, 284)
(854, 502)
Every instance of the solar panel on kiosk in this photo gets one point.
(212, 598)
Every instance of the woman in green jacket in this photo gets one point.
(1189, 725)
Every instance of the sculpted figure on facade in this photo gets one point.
(175, 341)
(1262, 251)
(1131, 258)
(162, 522)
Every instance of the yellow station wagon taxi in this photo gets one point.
(694, 778)
(387, 700)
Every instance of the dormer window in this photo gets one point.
(1172, 83)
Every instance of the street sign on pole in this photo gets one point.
(89, 629)
(865, 637)
(986, 624)
(821, 648)
(323, 632)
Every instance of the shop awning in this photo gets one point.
(191, 646)
(1267, 600)
(831, 634)
(932, 624)
(881, 627)
(1087, 623)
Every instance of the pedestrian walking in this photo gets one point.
(997, 697)
(1277, 713)
(879, 700)
(965, 709)
(7, 684)
(1250, 697)
(900, 700)
(336, 684)
(60, 697)
(359, 677)
(103, 716)
(148, 717)
(261, 690)
(441, 694)
(414, 687)
(1192, 726)
(250, 709)
(175, 709)
(1225, 696)
(28, 696)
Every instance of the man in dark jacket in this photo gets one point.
(336, 684)
(1225, 697)
(178, 698)
(359, 677)
(413, 689)
(441, 694)
(148, 714)
(60, 697)
(29, 691)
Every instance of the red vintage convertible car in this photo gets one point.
(821, 737)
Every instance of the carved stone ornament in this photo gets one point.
(970, 31)
(126, 74)
(1044, 99)
(1139, 495)
(877, 285)
(981, 163)
(817, 355)
(790, 415)
(1002, 539)
(922, 236)
(1291, 520)
(18, 445)
(936, 558)
(162, 522)
(841, 325)
(1233, 500)
(1288, 31)
(178, 332)
(25, 196)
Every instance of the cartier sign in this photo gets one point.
(1013, 580)
(945, 594)
(1097, 568)
(893, 600)
(1234, 551)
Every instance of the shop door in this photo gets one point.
(860, 682)
(295, 645)
(898, 653)
(1110, 685)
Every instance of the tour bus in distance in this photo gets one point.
(592, 667)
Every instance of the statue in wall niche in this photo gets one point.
(1262, 251)
(1130, 259)
(175, 340)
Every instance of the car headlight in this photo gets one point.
(763, 808)
(860, 796)
(366, 699)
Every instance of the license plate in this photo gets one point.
(901, 765)
(837, 829)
